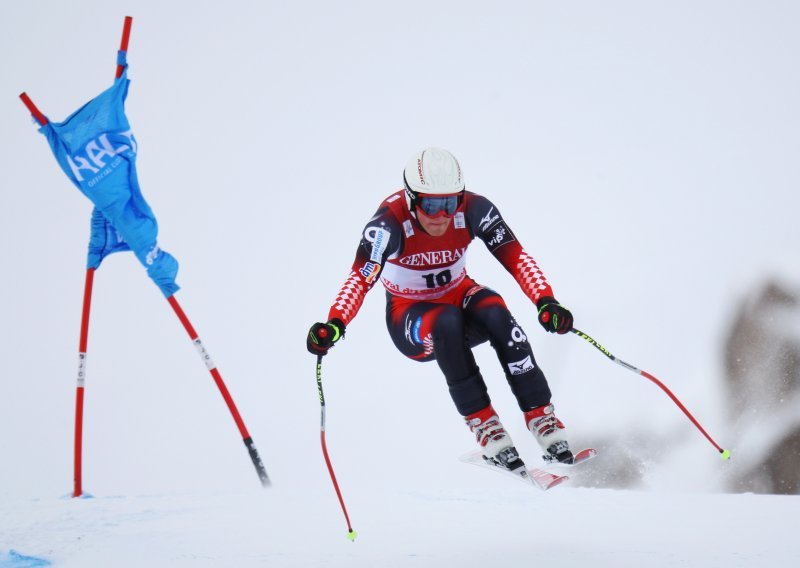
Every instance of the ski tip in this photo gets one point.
(557, 482)
(725, 454)
(577, 458)
(545, 480)
(351, 535)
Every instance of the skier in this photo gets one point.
(416, 243)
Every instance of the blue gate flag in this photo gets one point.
(97, 150)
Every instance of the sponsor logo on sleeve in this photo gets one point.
(380, 240)
(521, 367)
(499, 236)
(488, 220)
(370, 271)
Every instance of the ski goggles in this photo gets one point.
(439, 205)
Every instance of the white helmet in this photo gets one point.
(432, 171)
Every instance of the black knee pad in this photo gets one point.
(469, 394)
(530, 389)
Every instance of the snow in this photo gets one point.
(470, 524)
(644, 154)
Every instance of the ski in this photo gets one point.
(545, 480)
(540, 478)
(577, 458)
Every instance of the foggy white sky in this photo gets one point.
(644, 153)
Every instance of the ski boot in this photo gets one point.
(549, 431)
(495, 443)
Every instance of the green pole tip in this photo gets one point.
(351, 536)
(726, 454)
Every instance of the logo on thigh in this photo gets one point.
(517, 335)
(412, 327)
(470, 293)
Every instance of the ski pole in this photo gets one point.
(725, 454)
(351, 534)
(212, 368)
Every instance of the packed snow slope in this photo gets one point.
(478, 519)
(643, 153)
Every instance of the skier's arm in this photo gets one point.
(380, 238)
(489, 226)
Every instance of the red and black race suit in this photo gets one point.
(435, 310)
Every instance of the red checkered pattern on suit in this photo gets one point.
(349, 299)
(530, 277)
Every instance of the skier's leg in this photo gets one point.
(424, 331)
(487, 315)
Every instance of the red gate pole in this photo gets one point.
(212, 368)
(40, 118)
(82, 348)
(87, 298)
(87, 303)
(123, 44)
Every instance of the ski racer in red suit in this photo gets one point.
(416, 245)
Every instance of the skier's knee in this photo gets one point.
(449, 320)
(497, 317)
